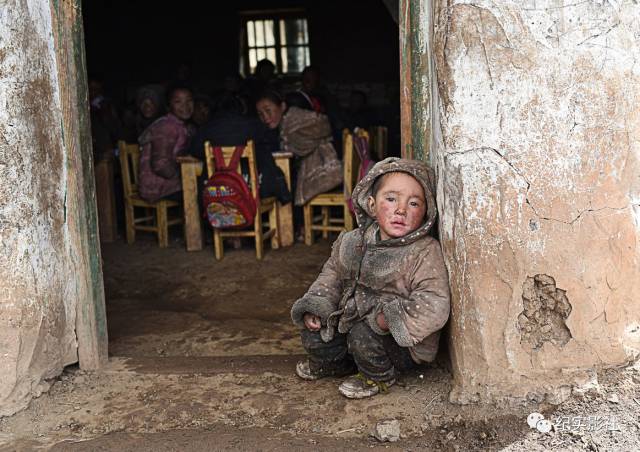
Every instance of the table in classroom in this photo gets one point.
(106, 200)
(285, 212)
(191, 168)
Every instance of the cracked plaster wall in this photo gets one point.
(536, 129)
(40, 264)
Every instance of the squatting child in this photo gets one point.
(379, 303)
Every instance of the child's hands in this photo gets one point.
(382, 322)
(312, 322)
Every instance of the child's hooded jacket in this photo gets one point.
(403, 277)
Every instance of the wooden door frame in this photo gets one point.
(414, 23)
(91, 320)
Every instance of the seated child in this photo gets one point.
(382, 297)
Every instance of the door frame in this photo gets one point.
(91, 319)
(414, 22)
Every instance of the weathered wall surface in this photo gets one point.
(43, 266)
(537, 147)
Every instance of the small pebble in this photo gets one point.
(387, 430)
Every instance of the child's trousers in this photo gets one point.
(378, 357)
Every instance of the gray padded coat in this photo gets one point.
(404, 277)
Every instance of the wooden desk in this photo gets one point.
(106, 200)
(285, 213)
(191, 168)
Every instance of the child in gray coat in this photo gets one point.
(382, 298)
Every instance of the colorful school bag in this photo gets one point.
(227, 199)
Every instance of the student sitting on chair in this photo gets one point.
(307, 134)
(161, 143)
(230, 127)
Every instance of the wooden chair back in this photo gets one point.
(248, 153)
(379, 140)
(129, 162)
(351, 160)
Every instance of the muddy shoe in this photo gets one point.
(360, 387)
(304, 371)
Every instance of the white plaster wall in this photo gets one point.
(536, 145)
(38, 265)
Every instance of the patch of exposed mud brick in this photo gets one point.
(546, 309)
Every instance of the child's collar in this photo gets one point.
(372, 236)
(376, 232)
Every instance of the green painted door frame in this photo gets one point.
(415, 78)
(91, 320)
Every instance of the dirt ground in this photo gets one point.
(202, 358)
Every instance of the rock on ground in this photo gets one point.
(387, 430)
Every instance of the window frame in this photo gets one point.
(276, 15)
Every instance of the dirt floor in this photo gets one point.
(202, 358)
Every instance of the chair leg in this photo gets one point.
(149, 212)
(325, 222)
(218, 246)
(348, 219)
(308, 220)
(257, 227)
(274, 222)
(129, 220)
(163, 227)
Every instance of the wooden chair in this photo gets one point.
(337, 198)
(379, 139)
(156, 215)
(266, 205)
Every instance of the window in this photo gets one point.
(281, 38)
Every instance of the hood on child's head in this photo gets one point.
(420, 171)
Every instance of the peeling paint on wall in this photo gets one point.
(545, 312)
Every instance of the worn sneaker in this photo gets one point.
(303, 370)
(359, 387)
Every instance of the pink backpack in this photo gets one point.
(227, 199)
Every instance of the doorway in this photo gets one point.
(165, 303)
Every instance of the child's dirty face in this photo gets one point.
(399, 205)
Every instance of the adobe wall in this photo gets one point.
(44, 266)
(537, 123)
